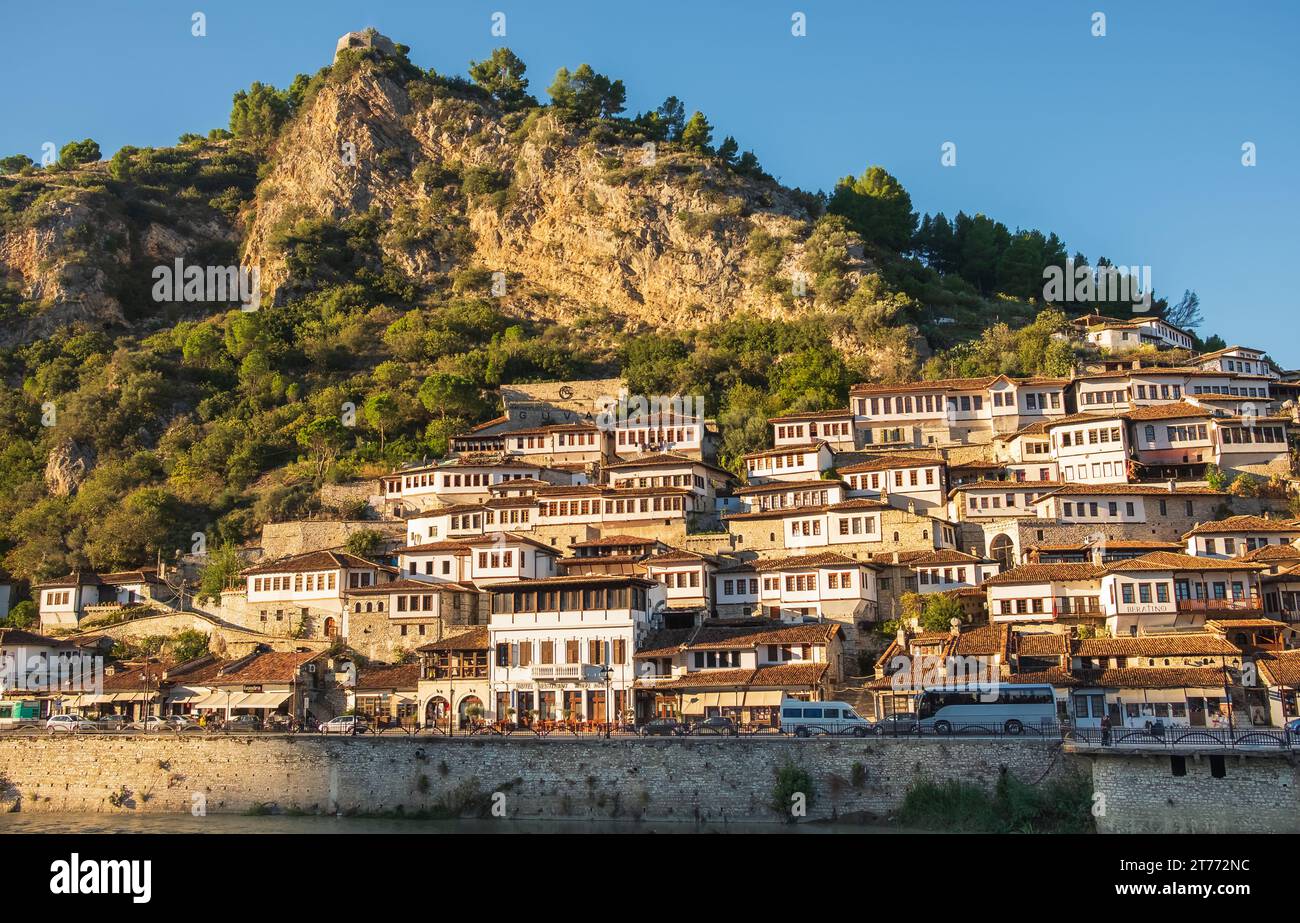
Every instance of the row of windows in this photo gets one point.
(1092, 510)
(793, 499)
(1105, 397)
(777, 462)
(946, 575)
(1232, 391)
(1041, 401)
(593, 507)
(1095, 436)
(575, 600)
(663, 480)
(311, 582)
(858, 525)
(522, 653)
(815, 430)
(1144, 592)
(1060, 605)
(656, 436)
(1232, 435)
(1159, 392)
(680, 579)
(741, 586)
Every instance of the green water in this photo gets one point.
(240, 823)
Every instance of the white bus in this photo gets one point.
(805, 719)
(1006, 708)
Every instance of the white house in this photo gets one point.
(551, 639)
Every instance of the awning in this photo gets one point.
(263, 700)
(188, 694)
(221, 699)
(696, 703)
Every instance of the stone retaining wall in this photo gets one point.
(716, 780)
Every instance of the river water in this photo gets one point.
(258, 824)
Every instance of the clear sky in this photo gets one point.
(1127, 145)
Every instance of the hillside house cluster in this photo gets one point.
(586, 555)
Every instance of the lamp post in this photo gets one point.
(607, 674)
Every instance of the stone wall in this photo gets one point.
(685, 780)
(1258, 793)
(285, 538)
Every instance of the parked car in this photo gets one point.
(69, 724)
(719, 726)
(1294, 727)
(895, 725)
(150, 723)
(183, 723)
(111, 722)
(345, 724)
(243, 723)
(663, 727)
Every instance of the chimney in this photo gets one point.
(954, 627)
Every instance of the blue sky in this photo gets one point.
(1127, 146)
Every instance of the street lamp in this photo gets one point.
(607, 674)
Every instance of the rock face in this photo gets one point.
(612, 227)
(62, 258)
(66, 467)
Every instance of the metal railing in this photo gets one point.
(1181, 736)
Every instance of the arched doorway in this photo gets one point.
(331, 627)
(1003, 550)
(436, 711)
(463, 710)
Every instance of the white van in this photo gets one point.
(806, 719)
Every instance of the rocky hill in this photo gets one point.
(421, 241)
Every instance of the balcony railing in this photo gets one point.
(1220, 605)
(564, 672)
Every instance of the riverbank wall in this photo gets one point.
(668, 779)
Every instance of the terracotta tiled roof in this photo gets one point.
(781, 486)
(1244, 524)
(475, 639)
(399, 677)
(1173, 560)
(1005, 485)
(1280, 669)
(447, 547)
(1042, 573)
(939, 384)
(812, 415)
(1154, 678)
(888, 462)
(15, 637)
(1176, 410)
(1273, 553)
(660, 460)
(821, 559)
(941, 556)
(594, 580)
(676, 556)
(1042, 644)
(789, 674)
(1154, 490)
(787, 449)
(271, 667)
(614, 540)
(986, 640)
(1055, 676)
(498, 538)
(1171, 645)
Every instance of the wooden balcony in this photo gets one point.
(1250, 606)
